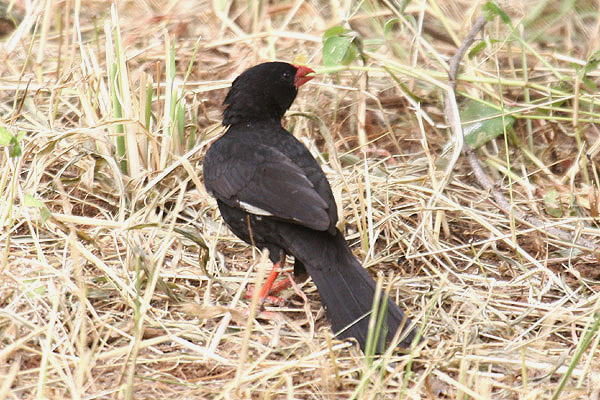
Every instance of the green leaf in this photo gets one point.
(389, 25)
(339, 46)
(334, 50)
(15, 150)
(491, 9)
(5, 136)
(478, 48)
(32, 202)
(552, 203)
(12, 141)
(591, 65)
(590, 84)
(592, 62)
(337, 30)
(487, 123)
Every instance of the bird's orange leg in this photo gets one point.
(270, 287)
(281, 285)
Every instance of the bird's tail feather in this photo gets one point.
(347, 291)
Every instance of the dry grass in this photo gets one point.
(118, 278)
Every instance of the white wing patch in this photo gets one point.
(249, 208)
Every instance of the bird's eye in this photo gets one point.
(286, 75)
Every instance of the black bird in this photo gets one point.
(273, 194)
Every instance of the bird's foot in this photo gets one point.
(270, 298)
(264, 314)
(270, 288)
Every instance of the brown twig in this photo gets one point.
(451, 112)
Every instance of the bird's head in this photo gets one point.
(263, 92)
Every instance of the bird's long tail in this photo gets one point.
(347, 291)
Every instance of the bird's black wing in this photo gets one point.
(263, 181)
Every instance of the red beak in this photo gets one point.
(301, 75)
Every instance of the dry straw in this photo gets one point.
(118, 278)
